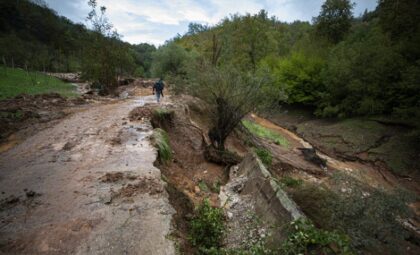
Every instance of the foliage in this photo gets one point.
(299, 76)
(263, 132)
(334, 20)
(265, 156)
(170, 60)
(105, 57)
(357, 71)
(161, 141)
(207, 228)
(17, 81)
(230, 95)
(305, 238)
(143, 58)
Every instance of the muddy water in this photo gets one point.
(85, 186)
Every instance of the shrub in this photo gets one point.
(207, 228)
(305, 238)
(264, 155)
(161, 141)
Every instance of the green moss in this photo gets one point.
(263, 132)
(161, 141)
(17, 81)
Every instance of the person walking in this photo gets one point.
(158, 89)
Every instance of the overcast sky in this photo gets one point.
(155, 21)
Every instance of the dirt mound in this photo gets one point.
(139, 113)
(143, 185)
(112, 177)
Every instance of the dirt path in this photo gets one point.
(85, 186)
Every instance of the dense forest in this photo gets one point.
(35, 37)
(339, 65)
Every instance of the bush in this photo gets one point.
(305, 238)
(161, 141)
(207, 228)
(265, 156)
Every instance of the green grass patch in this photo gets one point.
(17, 81)
(263, 132)
(265, 156)
(291, 182)
(203, 186)
(161, 141)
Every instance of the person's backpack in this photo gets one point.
(159, 86)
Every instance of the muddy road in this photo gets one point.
(87, 185)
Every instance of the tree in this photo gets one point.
(106, 55)
(170, 60)
(362, 75)
(334, 20)
(230, 94)
(299, 76)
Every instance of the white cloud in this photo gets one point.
(156, 21)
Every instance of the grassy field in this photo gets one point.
(17, 81)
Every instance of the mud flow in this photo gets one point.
(86, 185)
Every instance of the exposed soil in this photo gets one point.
(189, 176)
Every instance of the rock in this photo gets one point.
(229, 215)
(310, 155)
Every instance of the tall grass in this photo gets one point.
(161, 141)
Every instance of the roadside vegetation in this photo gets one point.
(161, 141)
(17, 81)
